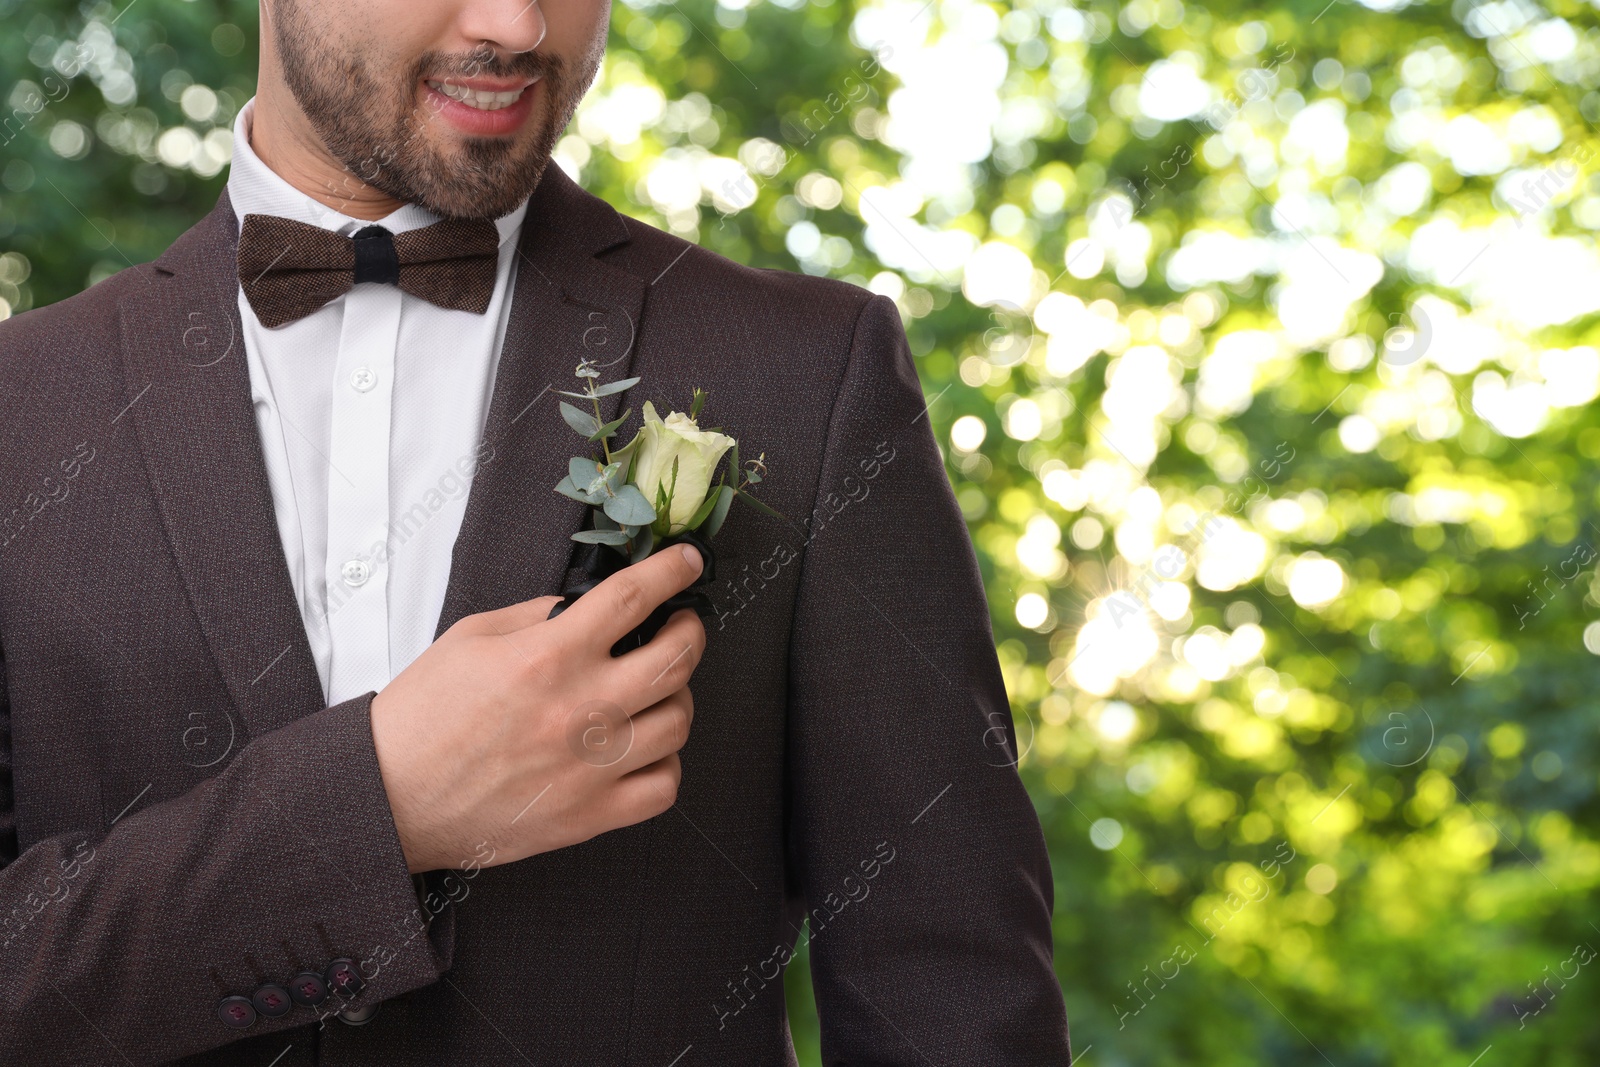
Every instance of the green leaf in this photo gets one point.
(664, 497)
(698, 402)
(759, 506)
(611, 427)
(705, 507)
(566, 488)
(602, 521)
(616, 387)
(586, 474)
(601, 537)
(579, 396)
(583, 492)
(630, 506)
(579, 419)
(725, 495)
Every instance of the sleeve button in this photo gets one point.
(344, 978)
(308, 988)
(272, 1000)
(236, 1012)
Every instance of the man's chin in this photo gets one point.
(489, 204)
(477, 178)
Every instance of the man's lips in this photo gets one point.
(485, 94)
(482, 106)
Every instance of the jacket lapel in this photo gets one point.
(515, 539)
(188, 389)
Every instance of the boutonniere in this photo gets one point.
(659, 489)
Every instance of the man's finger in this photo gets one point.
(664, 664)
(657, 732)
(608, 611)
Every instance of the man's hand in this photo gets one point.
(523, 731)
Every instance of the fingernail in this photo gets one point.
(692, 554)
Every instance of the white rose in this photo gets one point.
(697, 451)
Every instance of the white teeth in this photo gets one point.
(478, 98)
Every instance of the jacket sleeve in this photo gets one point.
(917, 850)
(118, 946)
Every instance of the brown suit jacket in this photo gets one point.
(181, 818)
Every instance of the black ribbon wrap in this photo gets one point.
(599, 562)
(376, 258)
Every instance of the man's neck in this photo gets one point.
(285, 141)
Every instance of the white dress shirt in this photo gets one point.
(371, 411)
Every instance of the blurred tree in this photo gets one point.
(1262, 339)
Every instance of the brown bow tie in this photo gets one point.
(289, 269)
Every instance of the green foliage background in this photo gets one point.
(1299, 811)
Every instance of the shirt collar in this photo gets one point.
(256, 189)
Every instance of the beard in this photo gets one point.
(370, 121)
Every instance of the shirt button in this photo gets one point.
(355, 571)
(363, 379)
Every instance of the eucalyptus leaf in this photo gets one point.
(586, 474)
(579, 419)
(611, 427)
(602, 521)
(579, 396)
(566, 488)
(630, 506)
(616, 386)
(601, 537)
